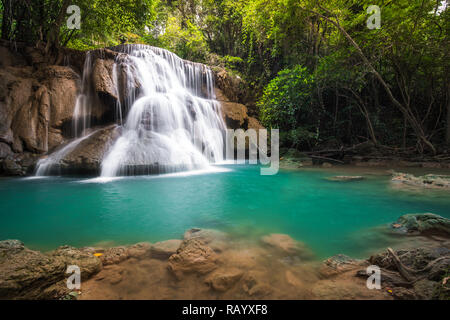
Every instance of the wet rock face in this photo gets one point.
(193, 256)
(422, 224)
(36, 105)
(87, 157)
(103, 81)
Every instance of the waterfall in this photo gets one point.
(174, 124)
(81, 120)
(167, 109)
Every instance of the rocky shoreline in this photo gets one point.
(209, 264)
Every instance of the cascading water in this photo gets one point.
(174, 124)
(80, 122)
(166, 105)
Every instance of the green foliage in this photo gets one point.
(334, 93)
(189, 42)
(288, 101)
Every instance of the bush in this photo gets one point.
(288, 103)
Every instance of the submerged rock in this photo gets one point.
(338, 264)
(139, 250)
(224, 279)
(286, 246)
(254, 286)
(422, 224)
(216, 240)
(193, 256)
(164, 249)
(114, 255)
(346, 178)
(426, 181)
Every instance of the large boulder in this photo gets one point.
(102, 78)
(87, 156)
(193, 256)
(422, 224)
(27, 274)
(85, 260)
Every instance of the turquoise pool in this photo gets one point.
(331, 217)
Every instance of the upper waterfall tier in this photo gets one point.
(174, 123)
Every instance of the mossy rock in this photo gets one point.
(424, 224)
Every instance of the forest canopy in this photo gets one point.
(315, 69)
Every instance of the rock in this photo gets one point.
(417, 258)
(62, 85)
(139, 250)
(5, 150)
(327, 165)
(216, 240)
(164, 249)
(232, 86)
(285, 245)
(11, 247)
(103, 81)
(425, 289)
(10, 167)
(423, 224)
(235, 115)
(206, 235)
(114, 255)
(346, 178)
(426, 181)
(223, 279)
(254, 123)
(87, 156)
(193, 256)
(401, 293)
(292, 279)
(338, 264)
(254, 286)
(25, 274)
(88, 263)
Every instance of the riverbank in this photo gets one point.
(209, 264)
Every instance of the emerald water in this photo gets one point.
(330, 217)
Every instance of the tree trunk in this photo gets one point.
(407, 112)
(53, 36)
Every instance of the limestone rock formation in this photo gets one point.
(193, 256)
(88, 263)
(426, 181)
(338, 264)
(223, 279)
(87, 156)
(164, 249)
(285, 245)
(422, 224)
(28, 274)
